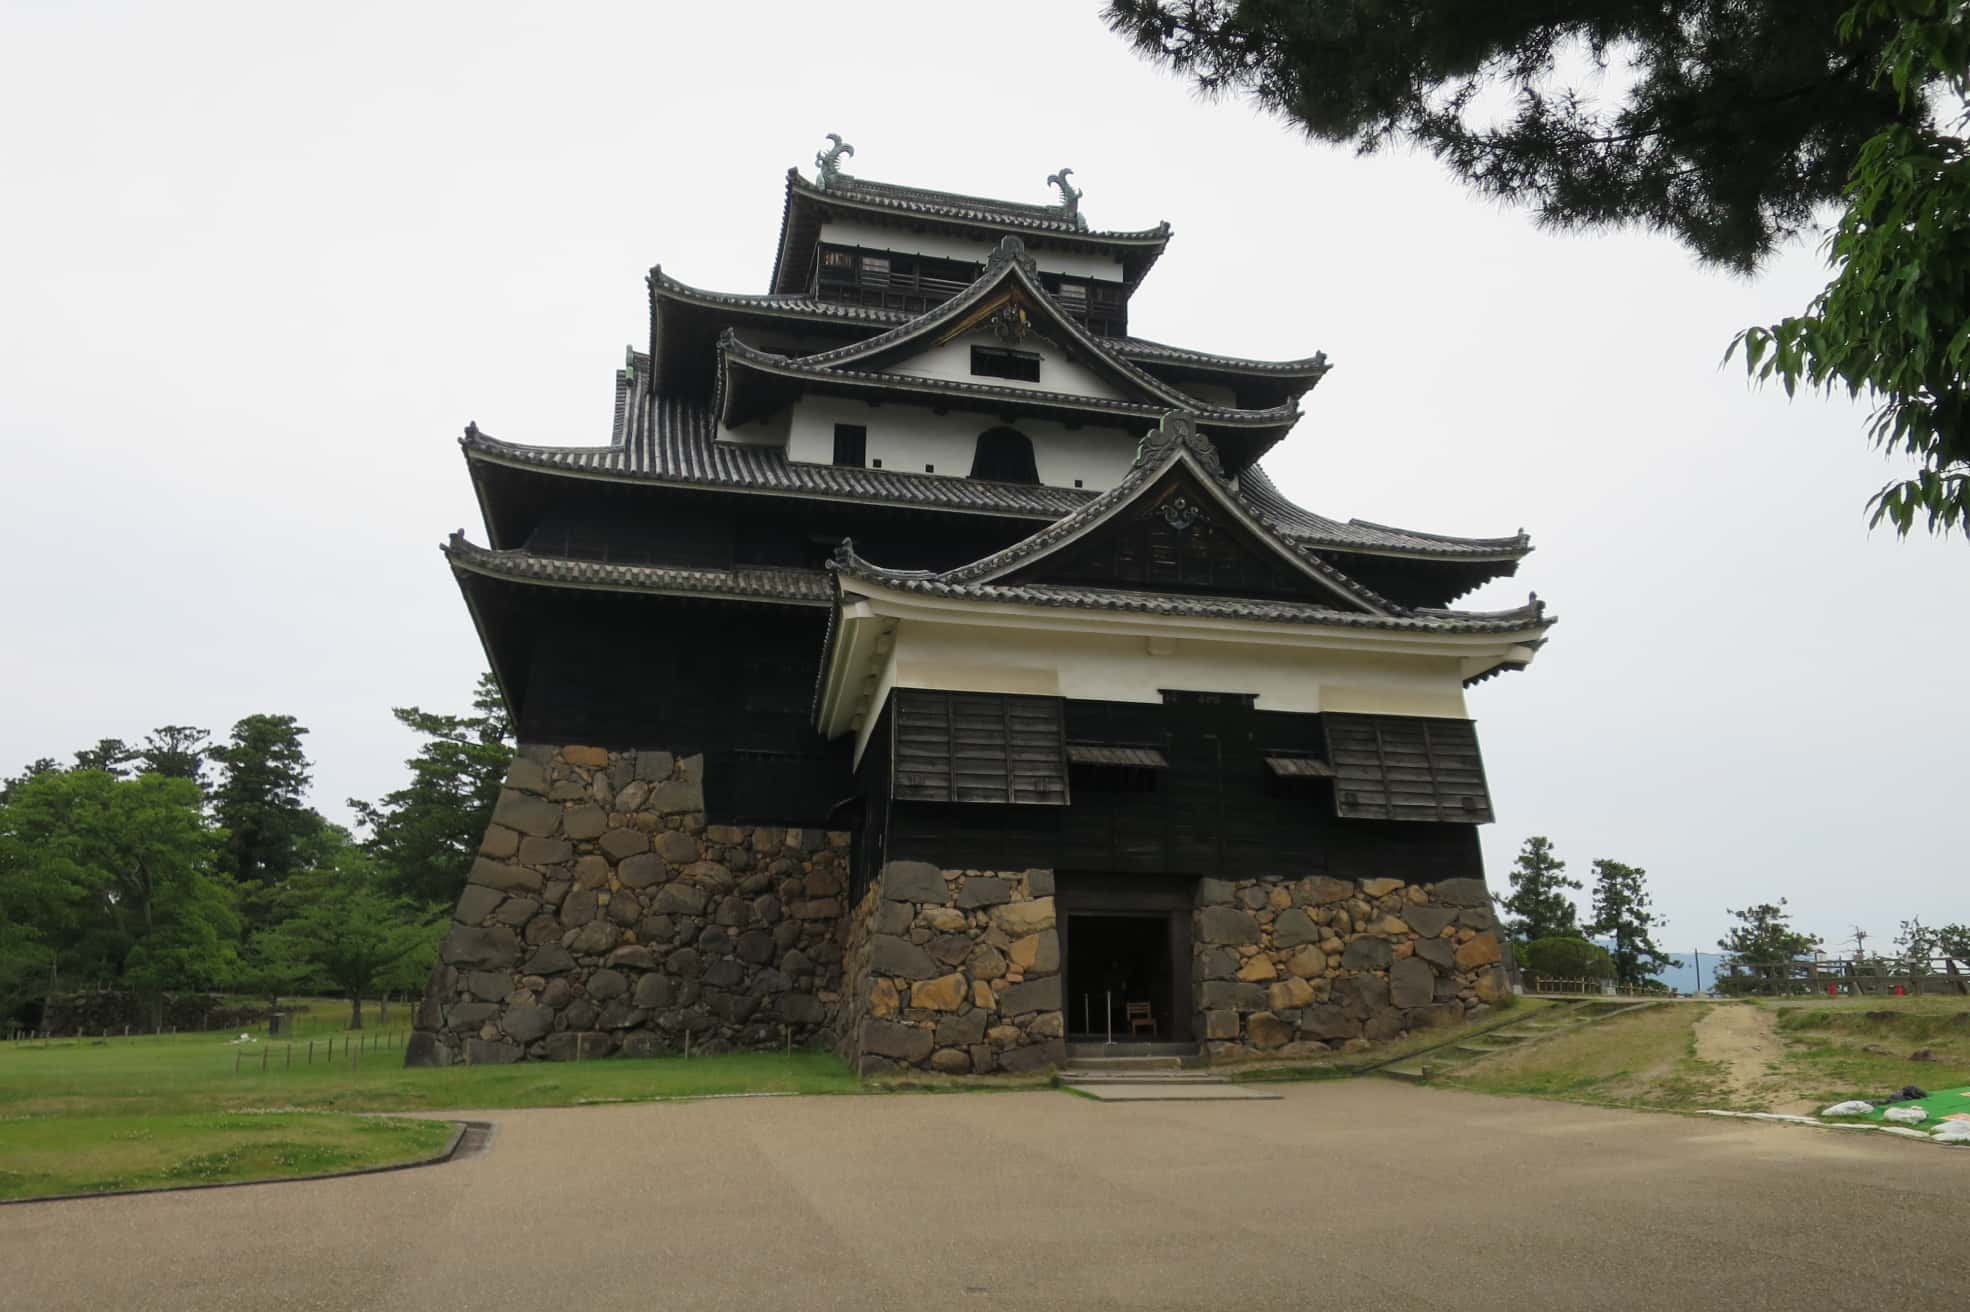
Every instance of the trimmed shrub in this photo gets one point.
(1568, 958)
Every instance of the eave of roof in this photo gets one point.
(1362, 537)
(801, 587)
(736, 355)
(972, 213)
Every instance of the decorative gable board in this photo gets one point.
(978, 747)
(1177, 538)
(1400, 767)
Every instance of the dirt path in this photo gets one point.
(1743, 1041)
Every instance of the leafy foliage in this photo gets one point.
(1539, 905)
(111, 879)
(423, 835)
(177, 751)
(1567, 958)
(1894, 323)
(1764, 936)
(1621, 912)
(339, 926)
(1723, 122)
(260, 802)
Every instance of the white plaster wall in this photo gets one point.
(875, 237)
(1058, 371)
(767, 430)
(1103, 667)
(906, 438)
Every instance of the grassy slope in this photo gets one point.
(1342, 1065)
(1648, 1059)
(1827, 1045)
(1643, 1059)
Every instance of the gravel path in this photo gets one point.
(1357, 1195)
(1743, 1039)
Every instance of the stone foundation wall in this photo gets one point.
(1293, 967)
(604, 914)
(955, 971)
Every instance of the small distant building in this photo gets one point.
(928, 667)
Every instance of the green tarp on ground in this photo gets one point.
(1942, 1105)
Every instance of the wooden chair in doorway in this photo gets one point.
(1139, 1018)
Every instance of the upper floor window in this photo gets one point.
(997, 362)
(1004, 455)
(851, 445)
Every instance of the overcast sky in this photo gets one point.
(262, 263)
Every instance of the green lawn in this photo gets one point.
(137, 1113)
(45, 1155)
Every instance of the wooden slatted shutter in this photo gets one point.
(1401, 767)
(979, 747)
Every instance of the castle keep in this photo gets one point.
(928, 668)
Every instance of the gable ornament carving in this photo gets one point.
(827, 164)
(1179, 428)
(1011, 250)
(1179, 513)
(1010, 323)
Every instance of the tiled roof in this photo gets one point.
(802, 367)
(965, 209)
(669, 440)
(1257, 487)
(1202, 607)
(1174, 442)
(802, 586)
(673, 441)
(1137, 349)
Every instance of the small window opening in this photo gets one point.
(1004, 455)
(851, 445)
(995, 362)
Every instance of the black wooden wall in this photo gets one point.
(1216, 811)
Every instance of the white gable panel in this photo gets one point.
(908, 438)
(875, 237)
(1058, 371)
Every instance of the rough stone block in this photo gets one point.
(1033, 1057)
(1320, 890)
(677, 797)
(1368, 953)
(1216, 963)
(1031, 995)
(1216, 892)
(898, 1042)
(801, 1009)
(1308, 963)
(1439, 952)
(1258, 969)
(1228, 925)
(605, 984)
(889, 955)
(1476, 918)
(424, 1051)
(504, 877)
(469, 1015)
(1428, 921)
(1436, 1016)
(951, 1061)
(654, 767)
(1480, 951)
(1021, 918)
(1268, 1031)
(525, 1024)
(490, 1052)
(584, 822)
(1383, 1025)
(1222, 994)
(489, 985)
(1328, 1022)
(984, 891)
(1363, 995)
(476, 903)
(945, 993)
(1411, 983)
(494, 948)
(499, 842)
(545, 851)
(1289, 994)
(1293, 927)
(1039, 883)
(527, 776)
(528, 815)
(914, 881)
(1036, 954)
(1462, 893)
(619, 843)
(1380, 887)
(1220, 1024)
(676, 898)
(549, 959)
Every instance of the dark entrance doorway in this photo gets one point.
(1118, 959)
(1123, 939)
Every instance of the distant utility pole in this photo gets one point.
(1860, 943)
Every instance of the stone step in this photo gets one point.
(1138, 1077)
(1078, 1049)
(1171, 1063)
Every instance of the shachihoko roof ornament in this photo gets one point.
(1070, 198)
(827, 164)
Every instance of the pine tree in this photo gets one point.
(176, 751)
(424, 834)
(1539, 905)
(110, 755)
(260, 804)
(1621, 912)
